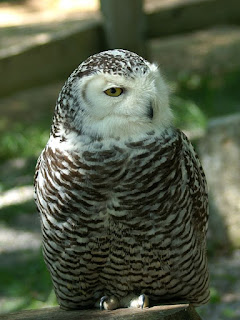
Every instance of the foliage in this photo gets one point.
(22, 141)
(188, 115)
(215, 296)
(215, 95)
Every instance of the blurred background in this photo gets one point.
(196, 43)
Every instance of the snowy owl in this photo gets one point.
(121, 193)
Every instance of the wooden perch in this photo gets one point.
(167, 312)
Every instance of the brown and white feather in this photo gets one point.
(122, 215)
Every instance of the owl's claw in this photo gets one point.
(104, 298)
(142, 299)
(133, 301)
(108, 303)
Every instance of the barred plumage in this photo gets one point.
(123, 204)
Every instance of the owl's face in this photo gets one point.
(117, 93)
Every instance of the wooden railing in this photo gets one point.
(42, 63)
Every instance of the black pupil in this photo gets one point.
(113, 90)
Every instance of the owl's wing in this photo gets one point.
(71, 257)
(36, 170)
(196, 184)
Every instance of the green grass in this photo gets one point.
(26, 282)
(215, 96)
(17, 172)
(22, 141)
(9, 213)
(215, 296)
(229, 313)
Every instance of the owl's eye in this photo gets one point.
(114, 92)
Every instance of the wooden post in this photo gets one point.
(124, 25)
(167, 312)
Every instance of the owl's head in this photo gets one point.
(115, 93)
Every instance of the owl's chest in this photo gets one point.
(119, 169)
(127, 178)
(117, 177)
(118, 187)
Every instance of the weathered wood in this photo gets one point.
(124, 24)
(167, 312)
(55, 59)
(126, 27)
(192, 15)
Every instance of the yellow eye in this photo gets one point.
(114, 92)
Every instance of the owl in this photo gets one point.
(121, 193)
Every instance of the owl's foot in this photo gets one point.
(109, 303)
(130, 301)
(133, 301)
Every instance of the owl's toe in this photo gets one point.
(133, 301)
(109, 303)
(143, 301)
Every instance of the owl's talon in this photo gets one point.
(133, 301)
(104, 298)
(142, 300)
(108, 303)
